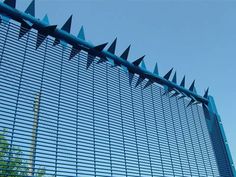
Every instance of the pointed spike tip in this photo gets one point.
(138, 61)
(112, 48)
(125, 54)
(46, 19)
(81, 34)
(156, 71)
(183, 82)
(11, 3)
(67, 26)
(143, 65)
(167, 76)
(31, 8)
(100, 47)
(175, 78)
(206, 93)
(192, 86)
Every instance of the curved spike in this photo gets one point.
(167, 76)
(183, 82)
(125, 54)
(112, 48)
(206, 93)
(11, 3)
(45, 19)
(156, 71)
(81, 33)
(175, 78)
(67, 26)
(191, 88)
(138, 61)
(143, 66)
(140, 80)
(100, 47)
(31, 8)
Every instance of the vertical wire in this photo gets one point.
(191, 107)
(181, 125)
(145, 125)
(108, 113)
(40, 92)
(168, 143)
(77, 114)
(156, 127)
(177, 144)
(185, 111)
(58, 110)
(122, 123)
(135, 130)
(17, 102)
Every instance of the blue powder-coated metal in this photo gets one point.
(83, 45)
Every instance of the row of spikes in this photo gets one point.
(95, 51)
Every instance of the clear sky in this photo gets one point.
(196, 37)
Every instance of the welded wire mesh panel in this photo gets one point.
(58, 118)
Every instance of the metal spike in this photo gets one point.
(67, 26)
(43, 33)
(175, 78)
(194, 90)
(11, 3)
(81, 34)
(31, 8)
(74, 51)
(156, 70)
(192, 86)
(112, 48)
(125, 53)
(167, 76)
(143, 66)
(138, 61)
(45, 19)
(191, 102)
(131, 76)
(183, 82)
(206, 93)
(140, 80)
(90, 60)
(24, 28)
(100, 48)
(150, 82)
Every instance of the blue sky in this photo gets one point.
(197, 38)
